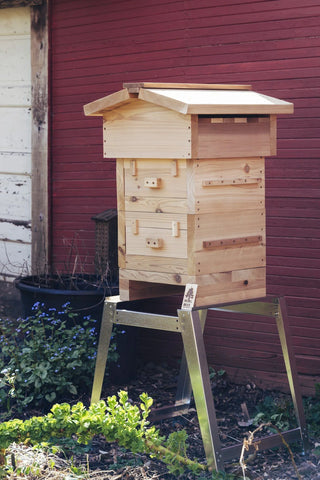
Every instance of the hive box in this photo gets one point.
(190, 187)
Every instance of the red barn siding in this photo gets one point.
(98, 45)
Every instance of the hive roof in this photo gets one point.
(201, 99)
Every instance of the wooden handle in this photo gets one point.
(227, 242)
(175, 229)
(133, 168)
(152, 182)
(135, 227)
(154, 242)
(174, 168)
(216, 182)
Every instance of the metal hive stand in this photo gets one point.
(194, 373)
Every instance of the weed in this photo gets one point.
(278, 411)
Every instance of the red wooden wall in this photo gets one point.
(273, 45)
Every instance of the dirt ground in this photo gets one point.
(108, 462)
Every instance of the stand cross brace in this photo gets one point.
(194, 372)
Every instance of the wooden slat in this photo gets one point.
(235, 181)
(152, 263)
(98, 107)
(202, 86)
(228, 242)
(159, 204)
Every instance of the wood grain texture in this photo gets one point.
(39, 136)
(144, 130)
(224, 140)
(207, 86)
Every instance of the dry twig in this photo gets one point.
(251, 442)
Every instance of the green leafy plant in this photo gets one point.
(278, 411)
(46, 357)
(117, 420)
(214, 373)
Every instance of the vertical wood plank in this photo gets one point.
(194, 136)
(273, 134)
(39, 137)
(121, 213)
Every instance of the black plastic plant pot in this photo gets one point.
(84, 294)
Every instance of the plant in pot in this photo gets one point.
(84, 292)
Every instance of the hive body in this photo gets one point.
(190, 189)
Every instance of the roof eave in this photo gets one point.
(240, 109)
(98, 107)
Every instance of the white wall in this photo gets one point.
(15, 142)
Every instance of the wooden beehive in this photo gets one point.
(190, 187)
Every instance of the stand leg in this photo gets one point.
(109, 311)
(184, 389)
(290, 363)
(192, 336)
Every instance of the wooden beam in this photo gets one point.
(134, 87)
(39, 137)
(240, 109)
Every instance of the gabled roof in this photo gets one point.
(201, 99)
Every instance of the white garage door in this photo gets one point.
(15, 142)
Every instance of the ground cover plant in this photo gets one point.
(118, 421)
(47, 357)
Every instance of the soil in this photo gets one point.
(235, 406)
